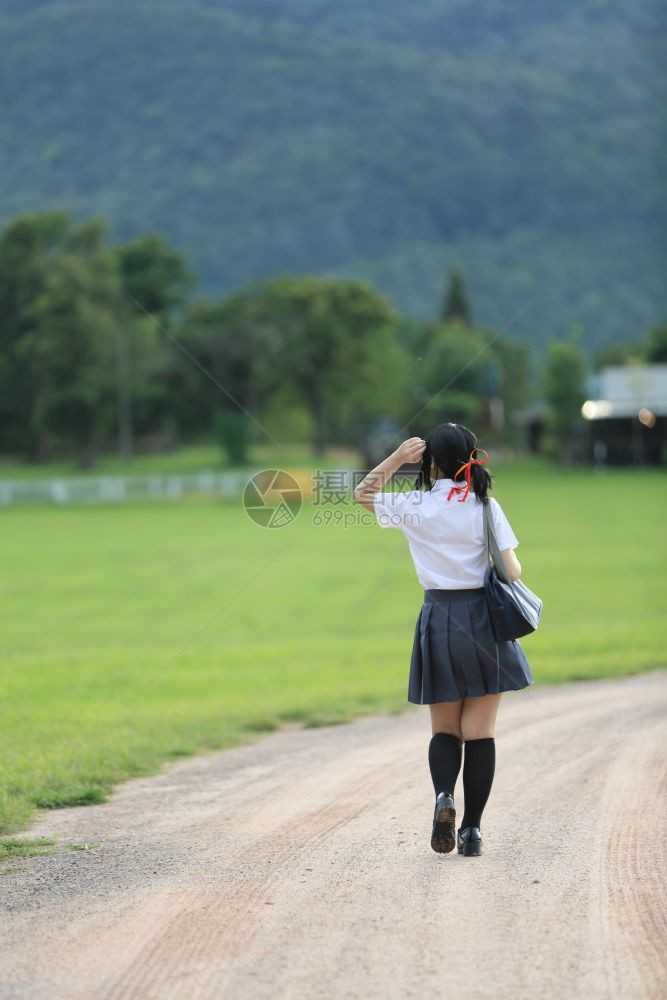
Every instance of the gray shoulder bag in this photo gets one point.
(513, 608)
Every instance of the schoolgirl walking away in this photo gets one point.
(457, 668)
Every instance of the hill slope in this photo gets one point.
(523, 143)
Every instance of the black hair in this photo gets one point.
(450, 445)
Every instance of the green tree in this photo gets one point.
(651, 350)
(564, 386)
(619, 354)
(83, 329)
(156, 278)
(459, 368)
(338, 349)
(154, 281)
(656, 345)
(57, 283)
(514, 361)
(456, 306)
(236, 355)
(449, 375)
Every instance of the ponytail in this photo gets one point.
(481, 482)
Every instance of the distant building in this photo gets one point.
(625, 417)
(626, 413)
(532, 421)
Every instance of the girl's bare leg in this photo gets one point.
(446, 717)
(478, 716)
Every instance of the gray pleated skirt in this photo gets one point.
(455, 654)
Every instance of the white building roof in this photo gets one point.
(623, 390)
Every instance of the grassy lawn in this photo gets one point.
(96, 601)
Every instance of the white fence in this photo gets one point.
(118, 489)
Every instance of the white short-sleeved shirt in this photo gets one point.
(446, 536)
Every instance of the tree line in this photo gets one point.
(105, 348)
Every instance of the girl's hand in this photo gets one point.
(411, 451)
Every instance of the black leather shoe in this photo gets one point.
(469, 842)
(443, 838)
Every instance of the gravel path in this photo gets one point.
(300, 867)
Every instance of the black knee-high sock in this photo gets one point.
(479, 766)
(444, 759)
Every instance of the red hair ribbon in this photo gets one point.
(467, 466)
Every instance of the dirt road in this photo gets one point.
(301, 867)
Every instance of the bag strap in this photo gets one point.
(492, 548)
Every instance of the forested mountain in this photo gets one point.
(522, 140)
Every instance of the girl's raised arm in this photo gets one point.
(410, 451)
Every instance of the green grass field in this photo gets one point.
(96, 601)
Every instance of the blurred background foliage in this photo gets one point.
(104, 348)
(384, 141)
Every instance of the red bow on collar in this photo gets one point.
(468, 466)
